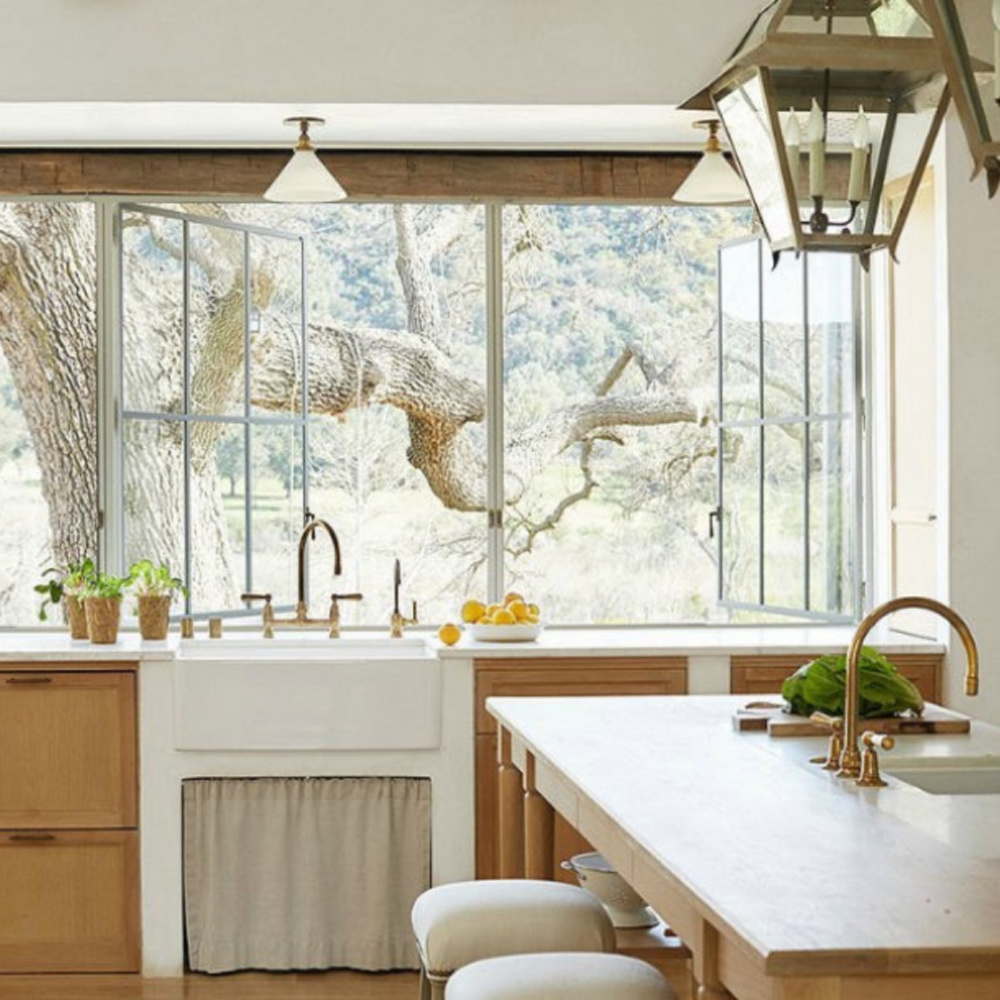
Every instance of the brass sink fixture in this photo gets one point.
(864, 769)
(397, 623)
(302, 619)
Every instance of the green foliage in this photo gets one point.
(106, 585)
(56, 582)
(822, 685)
(150, 580)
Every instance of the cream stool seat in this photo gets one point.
(464, 922)
(559, 976)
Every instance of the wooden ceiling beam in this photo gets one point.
(366, 175)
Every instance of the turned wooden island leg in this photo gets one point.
(705, 966)
(539, 828)
(510, 834)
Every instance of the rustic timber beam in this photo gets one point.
(367, 175)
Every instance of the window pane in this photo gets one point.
(277, 509)
(609, 472)
(740, 319)
(831, 333)
(216, 320)
(275, 325)
(152, 313)
(397, 369)
(784, 337)
(784, 516)
(48, 397)
(153, 492)
(831, 517)
(218, 516)
(741, 515)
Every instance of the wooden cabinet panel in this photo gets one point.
(70, 901)
(68, 746)
(568, 677)
(765, 674)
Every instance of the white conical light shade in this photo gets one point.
(712, 182)
(305, 179)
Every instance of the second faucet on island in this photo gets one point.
(301, 618)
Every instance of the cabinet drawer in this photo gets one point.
(67, 742)
(70, 901)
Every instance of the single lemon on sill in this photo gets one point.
(449, 633)
(510, 598)
(472, 611)
(518, 609)
(504, 617)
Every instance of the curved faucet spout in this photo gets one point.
(850, 758)
(310, 531)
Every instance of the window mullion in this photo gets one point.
(186, 272)
(247, 429)
(494, 402)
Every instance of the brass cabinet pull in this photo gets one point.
(29, 680)
(31, 837)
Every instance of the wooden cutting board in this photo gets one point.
(778, 723)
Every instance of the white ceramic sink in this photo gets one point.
(948, 775)
(304, 645)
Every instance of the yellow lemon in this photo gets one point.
(511, 597)
(493, 609)
(518, 609)
(485, 620)
(449, 633)
(504, 617)
(533, 608)
(531, 619)
(472, 611)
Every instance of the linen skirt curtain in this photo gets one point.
(304, 873)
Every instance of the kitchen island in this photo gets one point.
(784, 881)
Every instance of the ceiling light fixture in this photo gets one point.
(976, 94)
(712, 181)
(304, 178)
(811, 100)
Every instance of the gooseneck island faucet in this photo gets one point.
(302, 619)
(851, 763)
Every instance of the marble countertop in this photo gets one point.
(52, 646)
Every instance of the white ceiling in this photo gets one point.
(521, 73)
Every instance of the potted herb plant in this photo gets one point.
(66, 586)
(102, 598)
(154, 588)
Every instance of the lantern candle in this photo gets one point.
(817, 151)
(793, 140)
(859, 158)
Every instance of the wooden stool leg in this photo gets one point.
(437, 989)
(425, 984)
(510, 835)
(539, 828)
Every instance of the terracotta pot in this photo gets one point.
(76, 615)
(103, 615)
(154, 615)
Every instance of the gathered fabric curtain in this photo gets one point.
(304, 873)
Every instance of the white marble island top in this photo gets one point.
(813, 875)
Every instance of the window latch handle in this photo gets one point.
(714, 516)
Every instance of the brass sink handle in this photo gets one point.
(831, 762)
(870, 777)
(850, 758)
(334, 619)
(398, 623)
(267, 616)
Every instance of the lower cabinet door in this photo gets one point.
(69, 901)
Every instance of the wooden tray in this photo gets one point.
(778, 723)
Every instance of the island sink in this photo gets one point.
(950, 775)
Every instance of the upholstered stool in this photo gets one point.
(467, 921)
(559, 976)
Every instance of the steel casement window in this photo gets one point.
(180, 412)
(788, 439)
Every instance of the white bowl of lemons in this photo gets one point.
(513, 620)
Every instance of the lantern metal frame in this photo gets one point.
(961, 68)
(915, 63)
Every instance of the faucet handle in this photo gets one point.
(268, 613)
(346, 597)
(870, 776)
(831, 762)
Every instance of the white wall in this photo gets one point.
(973, 277)
(369, 51)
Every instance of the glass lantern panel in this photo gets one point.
(743, 108)
(885, 19)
